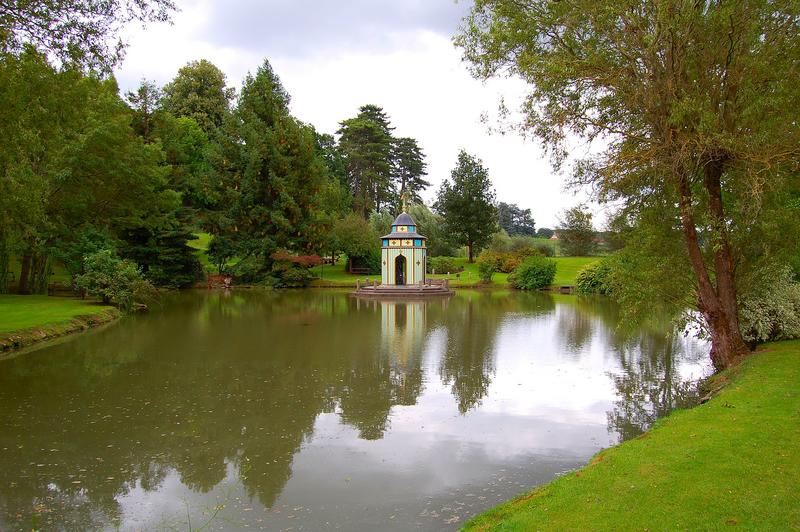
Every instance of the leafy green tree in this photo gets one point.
(276, 174)
(690, 99)
(114, 280)
(353, 236)
(333, 157)
(366, 143)
(76, 32)
(544, 232)
(576, 233)
(431, 225)
(515, 220)
(70, 159)
(199, 91)
(408, 170)
(467, 204)
(145, 101)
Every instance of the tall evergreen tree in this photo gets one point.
(467, 204)
(408, 169)
(366, 142)
(277, 175)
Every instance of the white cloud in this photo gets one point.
(416, 75)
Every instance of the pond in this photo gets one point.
(311, 410)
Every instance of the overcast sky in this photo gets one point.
(334, 56)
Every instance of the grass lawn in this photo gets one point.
(733, 462)
(568, 268)
(25, 312)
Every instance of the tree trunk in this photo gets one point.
(717, 304)
(469, 252)
(24, 275)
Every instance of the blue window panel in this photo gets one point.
(385, 242)
(418, 243)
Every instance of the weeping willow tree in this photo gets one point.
(694, 107)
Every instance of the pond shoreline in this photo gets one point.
(15, 340)
(733, 460)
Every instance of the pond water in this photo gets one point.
(310, 410)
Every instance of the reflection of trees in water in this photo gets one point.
(468, 361)
(650, 385)
(244, 382)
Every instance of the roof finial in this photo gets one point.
(404, 199)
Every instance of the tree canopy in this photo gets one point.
(690, 100)
(467, 204)
(77, 32)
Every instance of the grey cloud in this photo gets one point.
(298, 28)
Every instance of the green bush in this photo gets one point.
(544, 249)
(770, 310)
(535, 273)
(371, 261)
(488, 263)
(594, 278)
(292, 271)
(444, 265)
(114, 280)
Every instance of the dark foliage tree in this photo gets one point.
(544, 232)
(408, 170)
(515, 220)
(467, 204)
(366, 142)
(276, 173)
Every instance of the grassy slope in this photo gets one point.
(734, 461)
(25, 312)
(568, 268)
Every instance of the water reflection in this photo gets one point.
(265, 402)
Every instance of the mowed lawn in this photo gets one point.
(730, 464)
(566, 273)
(26, 312)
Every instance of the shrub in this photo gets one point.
(115, 281)
(371, 261)
(488, 263)
(499, 242)
(520, 242)
(249, 270)
(535, 273)
(771, 309)
(444, 265)
(595, 278)
(292, 271)
(509, 262)
(545, 249)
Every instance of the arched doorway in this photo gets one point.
(400, 270)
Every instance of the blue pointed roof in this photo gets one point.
(404, 219)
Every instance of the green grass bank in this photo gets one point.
(568, 268)
(25, 320)
(732, 463)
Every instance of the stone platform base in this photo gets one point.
(407, 291)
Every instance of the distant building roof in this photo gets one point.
(554, 236)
